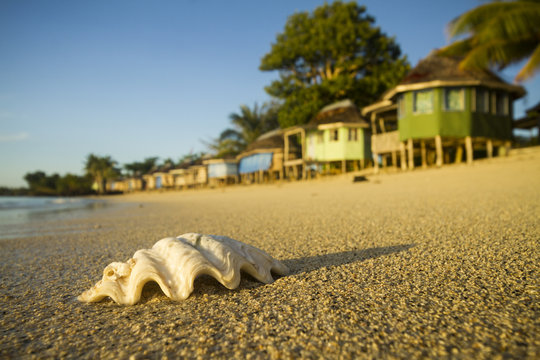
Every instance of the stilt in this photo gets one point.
(355, 165)
(469, 150)
(402, 159)
(383, 158)
(507, 147)
(375, 163)
(295, 172)
(439, 151)
(362, 164)
(489, 148)
(411, 154)
(423, 153)
(343, 166)
(394, 159)
(459, 154)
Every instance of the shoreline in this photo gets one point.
(429, 263)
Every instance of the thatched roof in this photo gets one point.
(340, 112)
(435, 67)
(270, 140)
(437, 71)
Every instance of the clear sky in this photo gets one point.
(139, 78)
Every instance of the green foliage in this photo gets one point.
(101, 168)
(498, 34)
(248, 125)
(332, 54)
(140, 168)
(40, 183)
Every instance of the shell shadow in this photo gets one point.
(312, 263)
(210, 286)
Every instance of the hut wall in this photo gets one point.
(222, 170)
(342, 149)
(454, 123)
(255, 162)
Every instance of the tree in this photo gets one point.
(500, 33)
(332, 54)
(101, 168)
(248, 125)
(139, 168)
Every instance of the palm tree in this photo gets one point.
(500, 33)
(101, 169)
(248, 125)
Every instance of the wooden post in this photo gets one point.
(423, 153)
(295, 172)
(411, 154)
(459, 154)
(507, 146)
(402, 159)
(489, 148)
(355, 165)
(362, 164)
(375, 163)
(469, 150)
(438, 150)
(383, 158)
(394, 159)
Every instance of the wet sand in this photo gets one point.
(437, 263)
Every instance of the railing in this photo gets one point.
(385, 142)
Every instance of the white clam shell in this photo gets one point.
(174, 263)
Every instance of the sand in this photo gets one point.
(436, 263)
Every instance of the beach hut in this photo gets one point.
(149, 181)
(262, 159)
(197, 175)
(439, 109)
(221, 171)
(163, 179)
(530, 122)
(336, 138)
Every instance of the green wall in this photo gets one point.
(452, 123)
(343, 149)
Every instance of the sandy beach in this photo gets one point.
(436, 263)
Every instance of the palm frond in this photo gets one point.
(531, 67)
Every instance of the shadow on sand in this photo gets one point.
(311, 263)
(206, 284)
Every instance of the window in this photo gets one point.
(401, 106)
(501, 104)
(423, 102)
(334, 135)
(454, 99)
(353, 134)
(482, 100)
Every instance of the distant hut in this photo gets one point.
(163, 179)
(197, 174)
(530, 121)
(134, 184)
(149, 181)
(437, 109)
(337, 137)
(263, 158)
(221, 171)
(180, 177)
(116, 185)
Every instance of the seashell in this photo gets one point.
(174, 263)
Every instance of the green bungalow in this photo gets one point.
(337, 137)
(437, 109)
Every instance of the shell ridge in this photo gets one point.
(175, 263)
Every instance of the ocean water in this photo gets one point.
(18, 213)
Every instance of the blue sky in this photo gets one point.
(139, 78)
